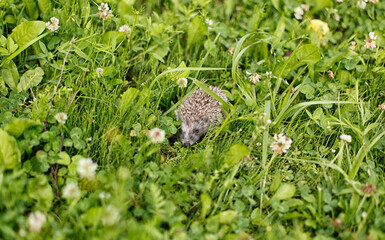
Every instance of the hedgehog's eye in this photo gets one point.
(196, 131)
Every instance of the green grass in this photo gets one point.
(230, 185)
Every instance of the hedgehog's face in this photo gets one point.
(191, 131)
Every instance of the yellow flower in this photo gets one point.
(320, 27)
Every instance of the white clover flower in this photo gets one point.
(182, 82)
(330, 74)
(382, 107)
(53, 25)
(103, 195)
(87, 168)
(126, 29)
(209, 22)
(282, 144)
(99, 72)
(157, 135)
(36, 221)
(352, 45)
(22, 232)
(361, 4)
(346, 137)
(61, 117)
(372, 36)
(71, 190)
(111, 216)
(305, 7)
(230, 51)
(370, 43)
(337, 17)
(255, 77)
(104, 11)
(298, 13)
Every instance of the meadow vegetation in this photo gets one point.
(89, 145)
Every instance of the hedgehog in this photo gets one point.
(197, 113)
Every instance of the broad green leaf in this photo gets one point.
(113, 38)
(27, 31)
(206, 204)
(10, 75)
(92, 216)
(127, 99)
(32, 10)
(279, 30)
(307, 54)
(159, 50)
(285, 191)
(321, 4)
(76, 133)
(39, 189)
(64, 158)
(196, 31)
(11, 46)
(235, 154)
(34, 76)
(19, 125)
(344, 76)
(276, 4)
(10, 155)
(44, 6)
(3, 41)
(227, 217)
(125, 7)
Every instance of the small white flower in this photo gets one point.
(333, 150)
(71, 190)
(157, 135)
(99, 72)
(298, 13)
(209, 22)
(87, 168)
(268, 121)
(53, 25)
(346, 137)
(90, 139)
(373, 1)
(255, 77)
(182, 82)
(22, 232)
(337, 17)
(126, 29)
(282, 144)
(259, 144)
(104, 11)
(364, 214)
(370, 44)
(330, 74)
(36, 221)
(372, 36)
(352, 45)
(269, 74)
(305, 7)
(361, 4)
(61, 117)
(382, 107)
(103, 195)
(111, 216)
